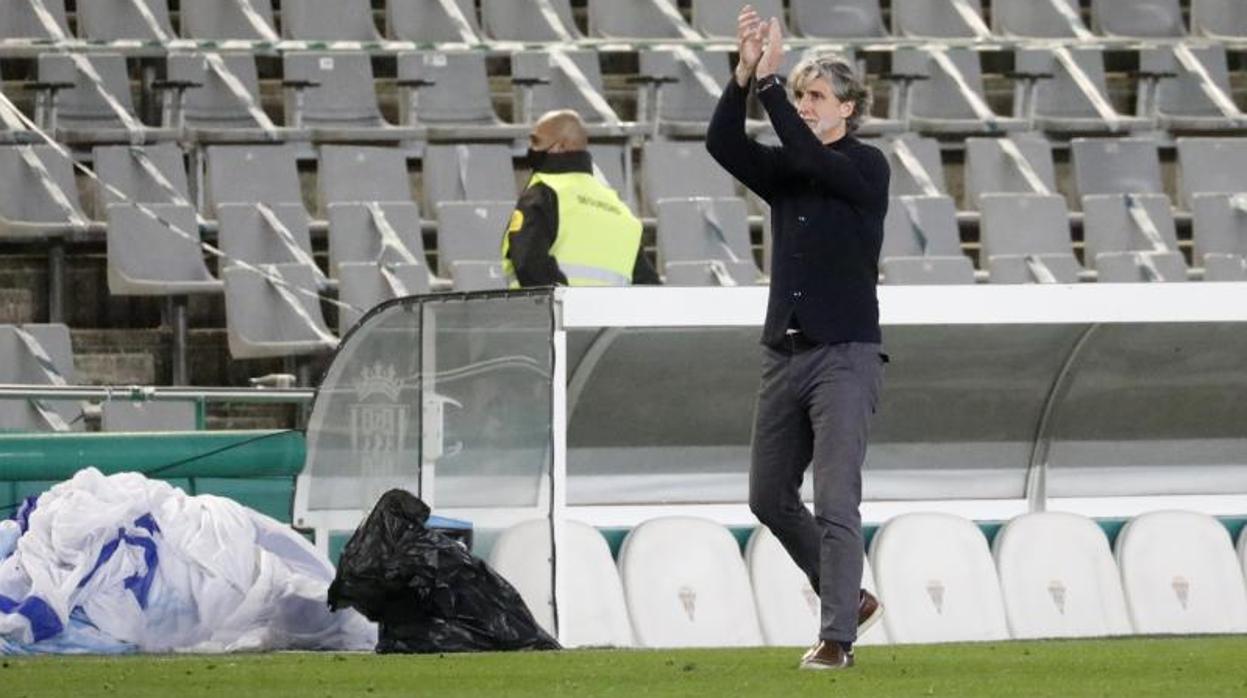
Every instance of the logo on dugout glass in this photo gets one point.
(378, 420)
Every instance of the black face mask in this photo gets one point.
(536, 158)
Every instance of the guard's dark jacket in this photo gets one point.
(827, 208)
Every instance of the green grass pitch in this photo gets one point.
(1134, 667)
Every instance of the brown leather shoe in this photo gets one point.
(826, 655)
(869, 611)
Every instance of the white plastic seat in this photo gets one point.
(1058, 578)
(592, 610)
(937, 581)
(788, 608)
(687, 586)
(1180, 575)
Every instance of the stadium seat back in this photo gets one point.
(1042, 20)
(933, 19)
(228, 20)
(121, 168)
(22, 367)
(471, 231)
(18, 20)
(355, 236)
(261, 322)
(991, 170)
(147, 258)
(362, 173)
(363, 285)
(1138, 18)
(428, 22)
(343, 95)
(467, 172)
(1116, 166)
(636, 19)
(460, 93)
(515, 20)
(116, 20)
(837, 19)
(341, 20)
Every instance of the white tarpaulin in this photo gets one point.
(127, 564)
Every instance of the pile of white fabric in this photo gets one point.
(124, 564)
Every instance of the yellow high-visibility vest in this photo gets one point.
(598, 237)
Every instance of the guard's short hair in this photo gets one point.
(844, 81)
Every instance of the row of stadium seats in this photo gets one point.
(554, 21)
(681, 582)
(85, 98)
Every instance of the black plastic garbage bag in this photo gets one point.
(425, 591)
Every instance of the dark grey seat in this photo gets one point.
(130, 416)
(1219, 19)
(353, 174)
(1116, 166)
(952, 100)
(1198, 96)
(1065, 90)
(717, 18)
(567, 80)
(386, 232)
(340, 104)
(153, 174)
(18, 20)
(82, 114)
(1219, 223)
(837, 19)
(114, 20)
(363, 285)
(938, 19)
(317, 20)
(457, 105)
(524, 20)
(916, 166)
(251, 174)
(993, 165)
(614, 162)
(1211, 166)
(467, 172)
(214, 112)
(1137, 18)
(470, 231)
(1026, 239)
(266, 319)
(638, 19)
(38, 201)
(684, 107)
(475, 275)
(921, 243)
(156, 257)
(248, 20)
(1132, 237)
(705, 240)
(681, 170)
(1042, 19)
(45, 356)
(429, 21)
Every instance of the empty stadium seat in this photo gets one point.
(788, 608)
(527, 21)
(431, 21)
(936, 579)
(114, 20)
(341, 20)
(1219, 19)
(687, 586)
(1137, 18)
(1042, 20)
(916, 166)
(153, 174)
(592, 611)
(265, 318)
(1193, 92)
(82, 113)
(18, 20)
(387, 232)
(130, 416)
(837, 19)
(362, 285)
(250, 174)
(1211, 166)
(355, 174)
(261, 233)
(457, 104)
(339, 102)
(1018, 164)
(477, 275)
(249, 20)
(577, 86)
(684, 107)
(1066, 91)
(717, 18)
(471, 231)
(638, 19)
(1180, 575)
(921, 243)
(1058, 578)
(148, 258)
(38, 355)
(681, 170)
(1026, 239)
(467, 172)
(609, 162)
(1220, 231)
(1132, 237)
(38, 199)
(705, 240)
(952, 100)
(223, 105)
(1116, 166)
(945, 19)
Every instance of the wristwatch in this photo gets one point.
(772, 80)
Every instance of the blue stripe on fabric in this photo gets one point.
(141, 585)
(6, 604)
(148, 523)
(24, 511)
(106, 554)
(43, 621)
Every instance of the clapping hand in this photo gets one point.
(773, 55)
(749, 32)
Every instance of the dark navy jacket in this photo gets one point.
(827, 208)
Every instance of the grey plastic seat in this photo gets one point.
(19, 365)
(458, 105)
(32, 206)
(212, 112)
(470, 231)
(428, 21)
(1137, 18)
(685, 106)
(128, 169)
(1219, 223)
(352, 174)
(114, 20)
(1219, 19)
(249, 234)
(921, 243)
(477, 276)
(1039, 20)
(1211, 166)
(1198, 96)
(250, 174)
(475, 172)
(147, 258)
(1026, 239)
(940, 104)
(1066, 91)
(523, 20)
(18, 20)
(638, 19)
(560, 88)
(1117, 229)
(916, 166)
(938, 19)
(992, 166)
(681, 170)
(265, 320)
(317, 20)
(341, 104)
(614, 162)
(82, 113)
(363, 285)
(717, 18)
(357, 233)
(1116, 166)
(837, 19)
(707, 240)
(130, 416)
(248, 20)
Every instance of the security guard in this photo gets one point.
(568, 228)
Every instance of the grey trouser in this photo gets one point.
(815, 406)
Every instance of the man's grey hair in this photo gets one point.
(844, 81)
